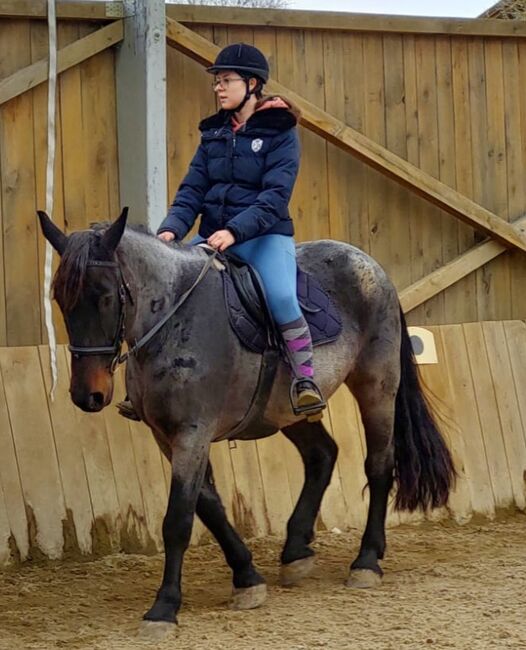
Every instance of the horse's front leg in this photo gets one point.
(189, 453)
(250, 589)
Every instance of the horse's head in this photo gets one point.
(89, 289)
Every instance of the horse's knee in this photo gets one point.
(320, 462)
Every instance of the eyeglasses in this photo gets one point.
(224, 83)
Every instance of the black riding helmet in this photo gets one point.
(247, 61)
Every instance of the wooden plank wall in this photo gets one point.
(86, 171)
(453, 105)
(73, 483)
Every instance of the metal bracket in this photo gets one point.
(120, 8)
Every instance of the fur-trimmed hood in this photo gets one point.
(272, 112)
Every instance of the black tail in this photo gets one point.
(424, 470)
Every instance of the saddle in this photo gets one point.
(250, 317)
(251, 320)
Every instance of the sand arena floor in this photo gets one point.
(445, 586)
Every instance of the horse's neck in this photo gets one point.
(157, 274)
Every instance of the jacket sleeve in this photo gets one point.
(188, 200)
(281, 169)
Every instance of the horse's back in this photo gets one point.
(352, 277)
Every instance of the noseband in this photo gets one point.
(120, 333)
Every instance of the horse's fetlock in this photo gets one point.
(164, 609)
(242, 562)
(296, 550)
(248, 577)
(367, 564)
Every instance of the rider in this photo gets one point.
(240, 181)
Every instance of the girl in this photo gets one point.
(240, 181)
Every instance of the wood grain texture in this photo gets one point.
(340, 21)
(74, 482)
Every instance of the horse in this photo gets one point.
(191, 381)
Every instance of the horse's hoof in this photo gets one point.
(363, 579)
(290, 574)
(155, 631)
(248, 597)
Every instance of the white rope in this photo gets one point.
(50, 169)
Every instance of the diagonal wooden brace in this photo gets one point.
(452, 272)
(70, 55)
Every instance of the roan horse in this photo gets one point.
(192, 382)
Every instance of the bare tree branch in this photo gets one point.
(255, 4)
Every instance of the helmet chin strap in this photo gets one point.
(247, 97)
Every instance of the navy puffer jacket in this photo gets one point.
(240, 181)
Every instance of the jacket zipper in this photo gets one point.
(232, 180)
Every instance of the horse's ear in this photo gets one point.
(112, 236)
(52, 233)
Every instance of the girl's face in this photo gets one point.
(230, 88)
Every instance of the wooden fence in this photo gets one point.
(86, 169)
(75, 483)
(447, 96)
(454, 106)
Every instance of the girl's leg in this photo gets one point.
(274, 258)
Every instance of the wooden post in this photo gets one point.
(141, 113)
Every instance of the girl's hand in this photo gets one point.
(221, 240)
(166, 236)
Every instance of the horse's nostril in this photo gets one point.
(96, 401)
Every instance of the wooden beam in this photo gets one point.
(343, 21)
(141, 115)
(85, 10)
(365, 149)
(78, 51)
(447, 275)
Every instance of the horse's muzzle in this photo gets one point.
(91, 386)
(92, 403)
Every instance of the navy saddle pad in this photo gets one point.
(249, 315)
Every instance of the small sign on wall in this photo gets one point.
(423, 342)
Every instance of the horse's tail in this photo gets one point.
(424, 470)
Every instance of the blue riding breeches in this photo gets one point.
(274, 258)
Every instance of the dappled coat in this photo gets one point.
(240, 180)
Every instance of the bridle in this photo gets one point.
(116, 347)
(124, 292)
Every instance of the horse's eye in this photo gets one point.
(106, 301)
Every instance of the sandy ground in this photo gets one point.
(445, 587)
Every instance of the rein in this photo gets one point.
(124, 290)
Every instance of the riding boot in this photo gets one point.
(308, 399)
(126, 409)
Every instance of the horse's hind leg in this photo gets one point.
(318, 452)
(249, 586)
(376, 399)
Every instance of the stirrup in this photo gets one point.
(126, 409)
(309, 402)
